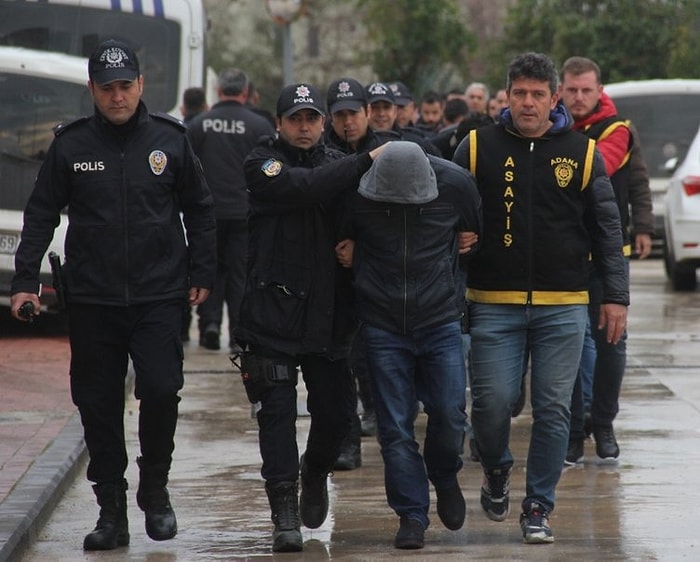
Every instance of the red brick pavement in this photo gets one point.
(35, 402)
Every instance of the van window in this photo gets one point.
(664, 134)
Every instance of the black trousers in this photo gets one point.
(102, 340)
(329, 386)
(232, 252)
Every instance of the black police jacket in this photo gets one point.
(125, 188)
(222, 138)
(297, 298)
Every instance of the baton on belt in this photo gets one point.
(57, 274)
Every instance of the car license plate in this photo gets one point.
(9, 242)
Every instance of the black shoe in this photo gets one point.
(495, 491)
(369, 424)
(350, 457)
(574, 454)
(535, 525)
(520, 402)
(411, 534)
(210, 338)
(473, 451)
(451, 507)
(313, 505)
(606, 446)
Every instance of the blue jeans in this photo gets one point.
(503, 337)
(427, 365)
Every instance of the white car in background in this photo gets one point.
(666, 113)
(682, 241)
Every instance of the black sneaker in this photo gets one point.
(574, 454)
(535, 525)
(451, 507)
(410, 535)
(494, 493)
(606, 446)
(209, 339)
(313, 503)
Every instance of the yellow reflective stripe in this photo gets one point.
(588, 164)
(521, 297)
(472, 151)
(627, 250)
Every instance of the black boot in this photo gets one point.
(314, 495)
(284, 506)
(112, 528)
(153, 499)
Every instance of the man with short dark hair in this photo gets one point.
(125, 177)
(548, 205)
(296, 308)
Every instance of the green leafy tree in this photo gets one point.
(629, 39)
(420, 42)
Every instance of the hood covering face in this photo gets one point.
(401, 174)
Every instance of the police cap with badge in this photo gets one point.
(345, 93)
(113, 61)
(378, 91)
(299, 96)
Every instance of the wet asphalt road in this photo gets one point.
(645, 507)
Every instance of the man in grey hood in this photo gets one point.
(404, 222)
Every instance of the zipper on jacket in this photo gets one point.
(530, 225)
(405, 272)
(125, 220)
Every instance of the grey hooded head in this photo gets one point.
(401, 174)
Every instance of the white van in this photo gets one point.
(667, 114)
(38, 90)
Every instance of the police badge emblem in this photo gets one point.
(157, 160)
(271, 168)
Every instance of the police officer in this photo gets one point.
(222, 137)
(125, 176)
(296, 308)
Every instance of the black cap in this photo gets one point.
(345, 93)
(299, 96)
(112, 61)
(402, 95)
(378, 91)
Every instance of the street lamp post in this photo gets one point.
(283, 12)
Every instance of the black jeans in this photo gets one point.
(102, 339)
(329, 403)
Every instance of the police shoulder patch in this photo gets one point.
(166, 117)
(272, 168)
(61, 127)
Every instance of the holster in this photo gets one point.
(261, 373)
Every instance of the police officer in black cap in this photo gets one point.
(297, 308)
(383, 113)
(125, 176)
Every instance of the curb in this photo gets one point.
(28, 506)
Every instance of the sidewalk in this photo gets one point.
(643, 508)
(40, 435)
